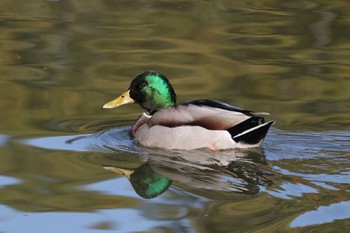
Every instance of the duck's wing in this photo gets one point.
(225, 106)
(210, 114)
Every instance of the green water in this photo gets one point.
(62, 60)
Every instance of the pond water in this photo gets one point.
(67, 165)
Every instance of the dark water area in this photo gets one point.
(67, 165)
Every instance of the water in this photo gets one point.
(62, 155)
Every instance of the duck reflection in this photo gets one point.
(146, 182)
(213, 174)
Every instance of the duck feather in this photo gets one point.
(209, 114)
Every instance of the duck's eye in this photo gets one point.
(142, 85)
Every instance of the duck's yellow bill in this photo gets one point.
(121, 100)
(120, 171)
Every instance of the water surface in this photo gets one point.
(61, 152)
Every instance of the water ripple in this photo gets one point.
(108, 141)
(305, 144)
(323, 214)
(83, 125)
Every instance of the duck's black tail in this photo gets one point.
(251, 131)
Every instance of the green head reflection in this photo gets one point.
(145, 181)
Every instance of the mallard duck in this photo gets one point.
(191, 125)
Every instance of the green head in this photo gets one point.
(147, 183)
(152, 91)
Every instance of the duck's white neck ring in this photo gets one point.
(146, 115)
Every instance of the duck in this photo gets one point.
(195, 124)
